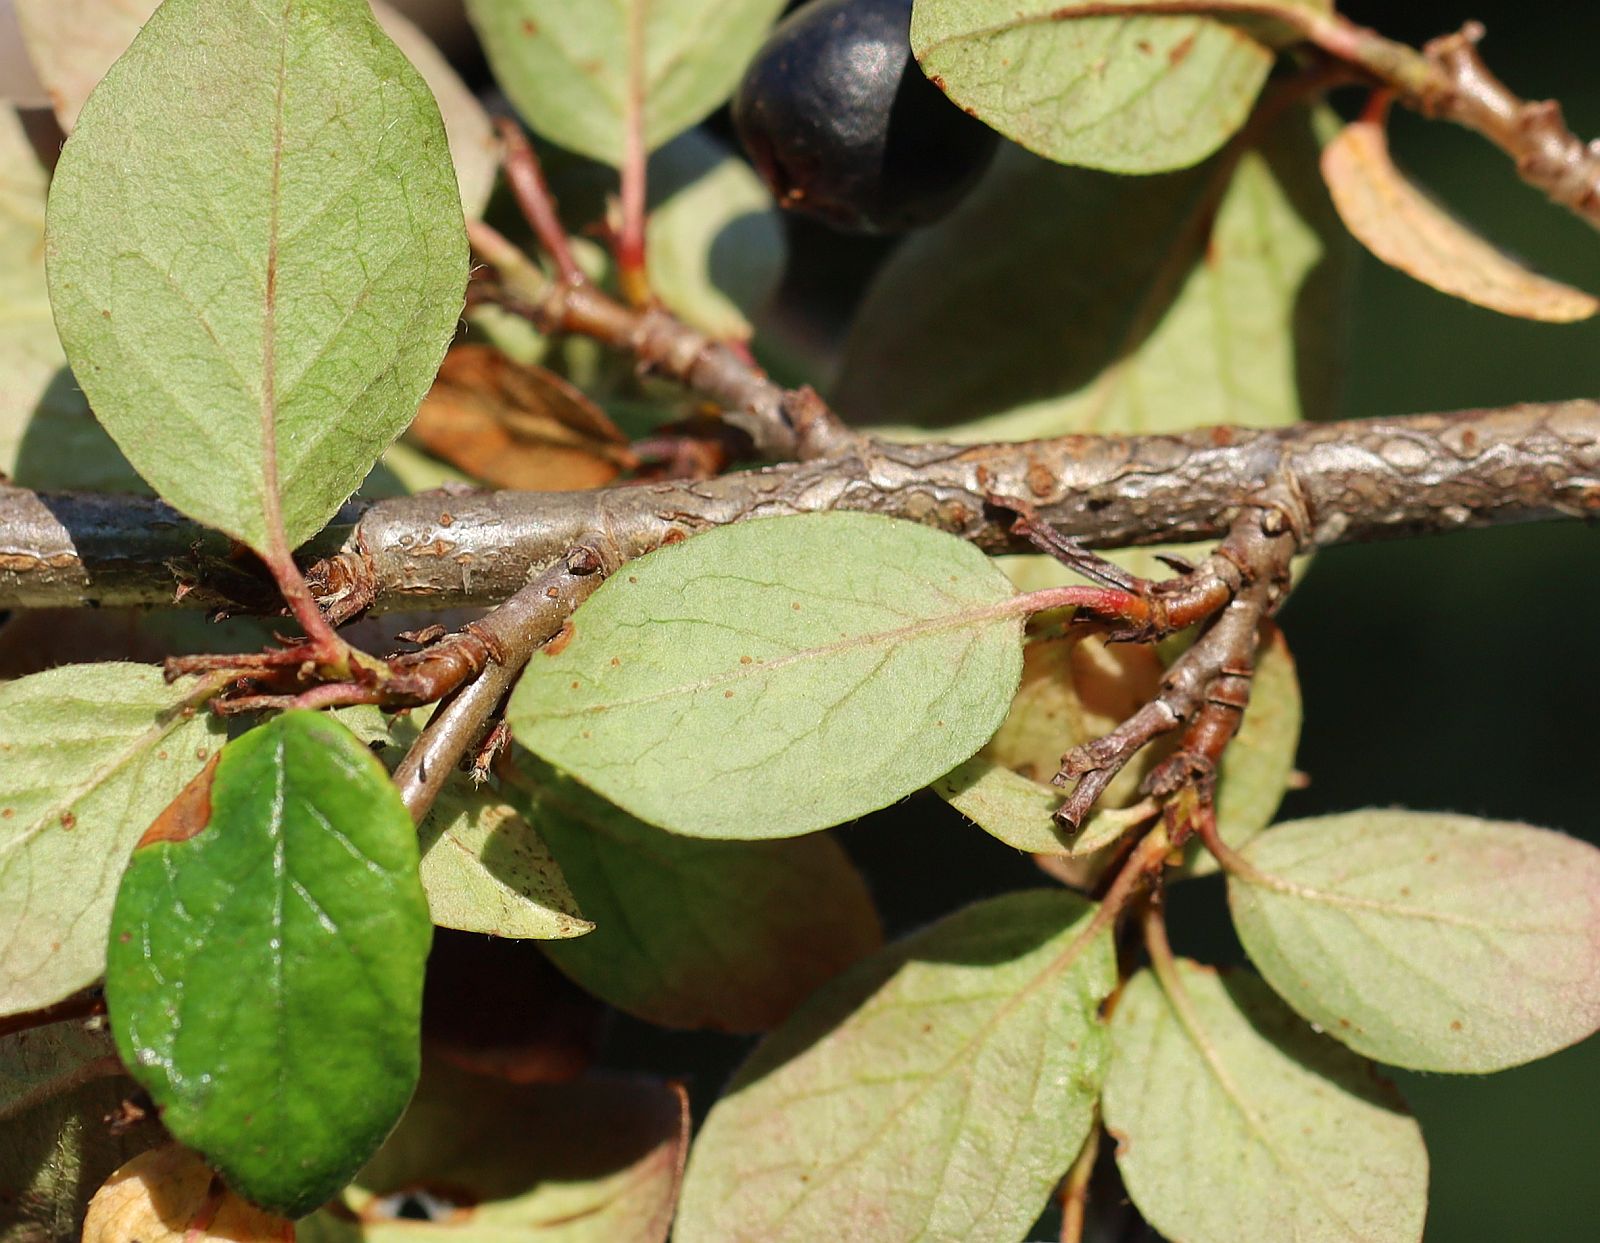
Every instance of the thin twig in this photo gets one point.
(782, 423)
(527, 180)
(520, 626)
(1074, 1194)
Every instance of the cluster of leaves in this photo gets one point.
(255, 275)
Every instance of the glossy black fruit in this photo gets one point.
(841, 123)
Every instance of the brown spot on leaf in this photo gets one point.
(727, 694)
(616, 662)
(68, 821)
(1180, 51)
(559, 643)
(1455, 1025)
(187, 814)
(530, 28)
(744, 660)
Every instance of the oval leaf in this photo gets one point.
(938, 1090)
(1435, 942)
(1200, 298)
(1409, 231)
(1120, 93)
(90, 755)
(265, 970)
(1234, 1121)
(594, 1161)
(582, 74)
(727, 935)
(715, 245)
(485, 870)
(255, 274)
(771, 678)
(473, 146)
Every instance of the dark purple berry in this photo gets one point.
(843, 126)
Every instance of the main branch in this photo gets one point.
(1358, 480)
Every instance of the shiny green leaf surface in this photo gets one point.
(264, 977)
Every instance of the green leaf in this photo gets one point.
(486, 870)
(56, 1154)
(570, 69)
(473, 146)
(1060, 301)
(1121, 93)
(48, 439)
(255, 274)
(771, 678)
(29, 353)
(728, 935)
(1234, 1121)
(594, 1161)
(1006, 805)
(715, 244)
(938, 1090)
(90, 754)
(1435, 942)
(265, 969)
(44, 1062)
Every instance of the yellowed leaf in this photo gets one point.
(1407, 230)
(170, 1195)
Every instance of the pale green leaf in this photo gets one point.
(1233, 1120)
(255, 274)
(90, 755)
(29, 354)
(570, 68)
(486, 870)
(1057, 300)
(1006, 805)
(473, 145)
(44, 1062)
(937, 1091)
(1436, 942)
(715, 245)
(593, 1161)
(775, 677)
(48, 439)
(726, 935)
(1116, 92)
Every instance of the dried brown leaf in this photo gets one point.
(170, 1195)
(517, 426)
(1407, 230)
